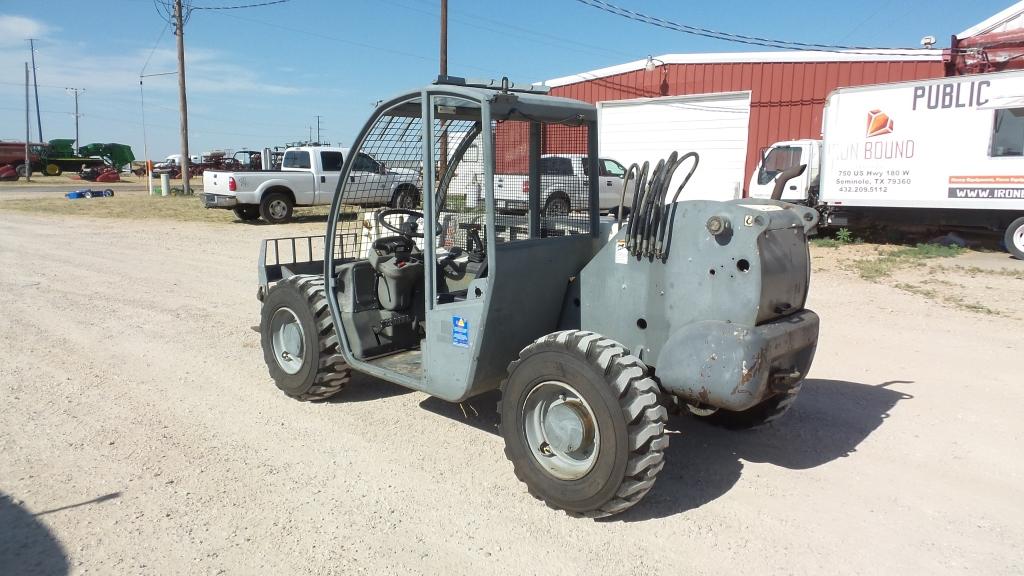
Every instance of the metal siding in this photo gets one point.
(786, 97)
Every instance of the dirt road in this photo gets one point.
(140, 434)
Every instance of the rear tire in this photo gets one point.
(764, 413)
(53, 170)
(247, 212)
(300, 345)
(602, 452)
(276, 207)
(1014, 238)
(405, 197)
(557, 205)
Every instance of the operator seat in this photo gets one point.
(399, 267)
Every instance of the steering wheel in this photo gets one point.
(408, 228)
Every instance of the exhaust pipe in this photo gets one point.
(782, 179)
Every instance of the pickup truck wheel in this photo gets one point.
(276, 207)
(557, 206)
(405, 197)
(247, 212)
(583, 424)
(300, 345)
(1014, 238)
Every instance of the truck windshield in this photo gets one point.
(296, 159)
(778, 159)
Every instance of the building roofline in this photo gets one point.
(755, 57)
(993, 22)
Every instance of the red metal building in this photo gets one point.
(787, 90)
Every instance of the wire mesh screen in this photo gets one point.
(564, 180)
(387, 171)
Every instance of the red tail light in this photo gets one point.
(526, 187)
(232, 185)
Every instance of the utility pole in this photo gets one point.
(78, 143)
(35, 83)
(179, 31)
(442, 162)
(28, 130)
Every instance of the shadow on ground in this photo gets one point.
(26, 545)
(828, 421)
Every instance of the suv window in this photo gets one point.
(778, 159)
(331, 161)
(365, 164)
(1008, 133)
(556, 166)
(612, 168)
(296, 159)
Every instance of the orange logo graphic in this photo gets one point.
(879, 123)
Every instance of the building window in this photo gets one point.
(1008, 133)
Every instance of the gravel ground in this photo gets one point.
(140, 434)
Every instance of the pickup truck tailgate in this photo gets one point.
(215, 182)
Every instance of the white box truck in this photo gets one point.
(943, 153)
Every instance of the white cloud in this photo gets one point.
(14, 30)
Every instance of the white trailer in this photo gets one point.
(946, 153)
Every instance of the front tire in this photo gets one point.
(247, 213)
(276, 207)
(300, 345)
(1014, 238)
(582, 423)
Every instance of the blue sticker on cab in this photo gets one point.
(460, 332)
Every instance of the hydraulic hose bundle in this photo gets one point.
(649, 215)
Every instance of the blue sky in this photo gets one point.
(258, 77)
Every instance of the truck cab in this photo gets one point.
(783, 155)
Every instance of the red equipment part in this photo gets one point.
(7, 173)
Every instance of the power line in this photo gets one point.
(738, 38)
(261, 4)
(155, 45)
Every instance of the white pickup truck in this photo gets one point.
(564, 185)
(308, 177)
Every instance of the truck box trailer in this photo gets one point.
(942, 153)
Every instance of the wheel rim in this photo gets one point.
(557, 207)
(288, 340)
(561, 430)
(1018, 238)
(278, 209)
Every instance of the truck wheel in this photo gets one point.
(557, 206)
(1014, 238)
(405, 197)
(276, 207)
(247, 212)
(22, 170)
(300, 345)
(582, 424)
(761, 414)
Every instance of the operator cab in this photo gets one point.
(413, 286)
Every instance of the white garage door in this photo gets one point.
(713, 125)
